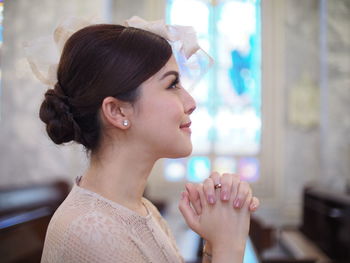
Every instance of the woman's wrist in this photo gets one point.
(207, 247)
(222, 252)
(207, 250)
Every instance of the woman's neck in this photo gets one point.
(119, 176)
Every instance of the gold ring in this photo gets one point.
(217, 186)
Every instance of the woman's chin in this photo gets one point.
(183, 153)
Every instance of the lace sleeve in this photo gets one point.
(94, 238)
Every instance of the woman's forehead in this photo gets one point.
(170, 66)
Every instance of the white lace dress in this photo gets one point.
(90, 228)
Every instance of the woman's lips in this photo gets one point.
(186, 127)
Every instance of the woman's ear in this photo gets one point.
(116, 112)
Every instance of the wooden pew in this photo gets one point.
(324, 234)
(284, 245)
(25, 213)
(326, 221)
(301, 247)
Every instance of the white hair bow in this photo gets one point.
(193, 61)
(44, 53)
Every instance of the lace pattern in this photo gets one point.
(90, 228)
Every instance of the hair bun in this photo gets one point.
(55, 112)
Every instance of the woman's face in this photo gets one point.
(162, 114)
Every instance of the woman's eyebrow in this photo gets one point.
(172, 72)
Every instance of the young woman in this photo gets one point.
(118, 94)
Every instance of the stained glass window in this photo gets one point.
(226, 129)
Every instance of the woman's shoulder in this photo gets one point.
(83, 206)
(81, 223)
(77, 213)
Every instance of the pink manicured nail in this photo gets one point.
(224, 195)
(253, 207)
(237, 203)
(211, 199)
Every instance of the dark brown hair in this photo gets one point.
(98, 61)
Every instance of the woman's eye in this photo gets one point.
(174, 85)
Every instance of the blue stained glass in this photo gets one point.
(239, 81)
(240, 64)
(198, 168)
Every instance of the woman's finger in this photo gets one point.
(248, 199)
(242, 194)
(254, 205)
(209, 191)
(187, 211)
(215, 176)
(226, 186)
(204, 202)
(194, 197)
(235, 185)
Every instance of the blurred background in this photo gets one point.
(274, 109)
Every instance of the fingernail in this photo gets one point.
(224, 195)
(237, 203)
(253, 207)
(211, 199)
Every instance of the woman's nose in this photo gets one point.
(189, 112)
(190, 104)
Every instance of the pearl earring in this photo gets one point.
(125, 122)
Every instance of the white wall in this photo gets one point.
(26, 154)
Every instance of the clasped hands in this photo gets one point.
(220, 215)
